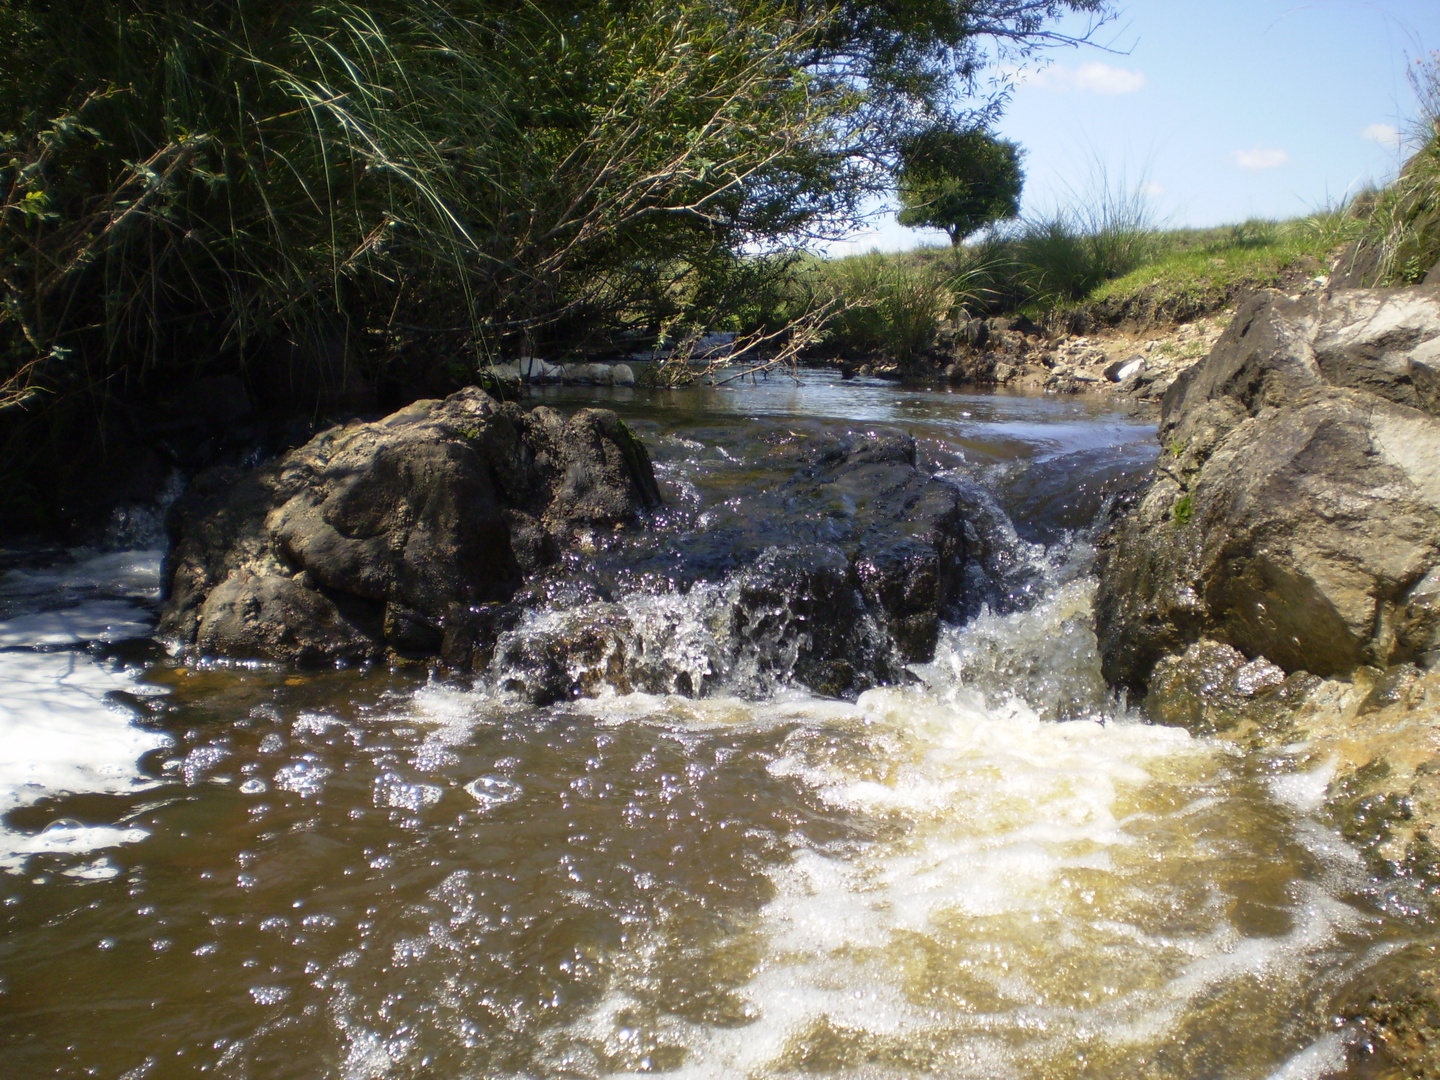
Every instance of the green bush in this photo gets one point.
(1064, 257)
(885, 305)
(230, 173)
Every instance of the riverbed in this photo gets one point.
(989, 869)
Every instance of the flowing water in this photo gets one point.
(987, 869)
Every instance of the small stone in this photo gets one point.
(1120, 370)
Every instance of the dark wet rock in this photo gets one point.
(835, 579)
(1396, 1006)
(923, 548)
(575, 657)
(1212, 688)
(262, 616)
(374, 537)
(1296, 511)
(800, 613)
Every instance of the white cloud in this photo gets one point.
(1259, 157)
(1386, 135)
(1104, 79)
(1096, 78)
(1149, 190)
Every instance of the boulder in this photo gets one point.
(923, 549)
(374, 537)
(835, 578)
(1295, 513)
(1118, 371)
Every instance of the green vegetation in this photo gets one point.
(1184, 510)
(1398, 229)
(1197, 271)
(1099, 267)
(319, 194)
(352, 203)
(958, 181)
(1105, 260)
(885, 305)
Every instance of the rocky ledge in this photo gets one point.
(376, 539)
(1295, 514)
(835, 577)
(481, 537)
(1278, 585)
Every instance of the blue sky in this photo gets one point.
(1220, 110)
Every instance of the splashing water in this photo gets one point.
(701, 868)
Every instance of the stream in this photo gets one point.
(988, 869)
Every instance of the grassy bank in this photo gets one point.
(1063, 277)
(1108, 263)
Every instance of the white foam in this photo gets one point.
(60, 733)
(1321, 1058)
(67, 838)
(1305, 789)
(97, 620)
(995, 819)
(129, 573)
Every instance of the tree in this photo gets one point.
(197, 187)
(959, 181)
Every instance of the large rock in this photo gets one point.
(923, 549)
(837, 577)
(1295, 513)
(375, 537)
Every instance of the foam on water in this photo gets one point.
(97, 620)
(135, 573)
(61, 728)
(1034, 902)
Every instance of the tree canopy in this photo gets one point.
(958, 181)
(188, 181)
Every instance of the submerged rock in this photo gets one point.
(1296, 512)
(876, 555)
(1396, 1006)
(923, 549)
(375, 537)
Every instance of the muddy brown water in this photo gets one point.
(991, 871)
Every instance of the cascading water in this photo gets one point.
(690, 863)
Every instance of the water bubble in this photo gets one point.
(392, 790)
(199, 760)
(305, 778)
(492, 792)
(254, 786)
(269, 995)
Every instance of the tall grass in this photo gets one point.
(299, 190)
(1063, 257)
(885, 305)
(1397, 228)
(234, 172)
